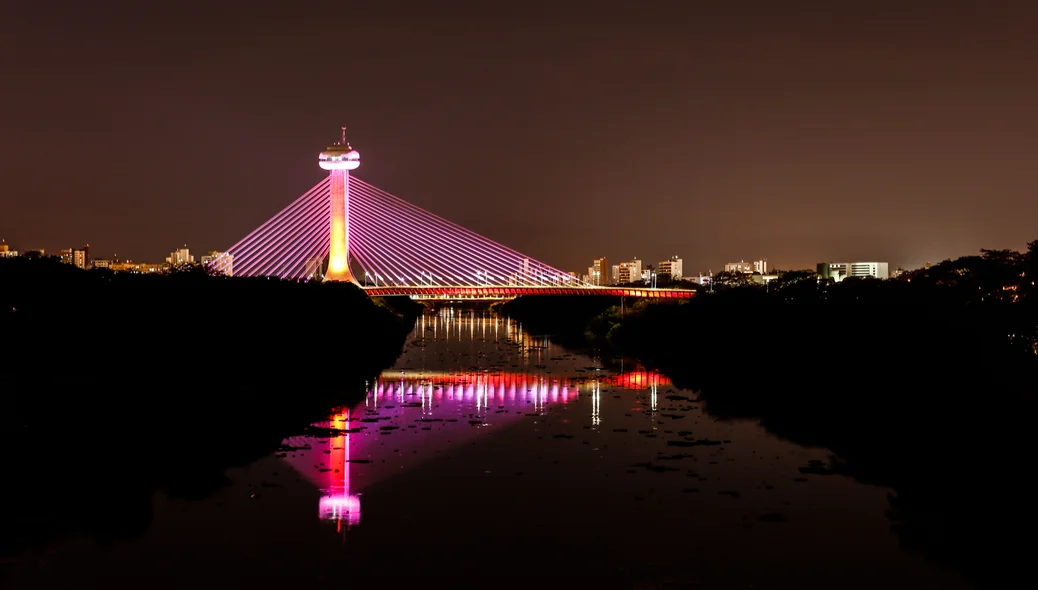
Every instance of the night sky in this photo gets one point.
(797, 131)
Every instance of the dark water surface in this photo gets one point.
(487, 455)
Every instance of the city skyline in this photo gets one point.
(672, 266)
(741, 131)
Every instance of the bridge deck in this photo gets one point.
(509, 292)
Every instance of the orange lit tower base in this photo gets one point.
(338, 160)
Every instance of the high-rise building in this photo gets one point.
(877, 270)
(598, 273)
(670, 267)
(741, 266)
(180, 256)
(837, 271)
(6, 251)
(81, 257)
(338, 159)
(630, 271)
(761, 266)
(78, 257)
(614, 274)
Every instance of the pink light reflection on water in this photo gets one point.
(408, 418)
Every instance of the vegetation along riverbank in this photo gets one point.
(924, 383)
(127, 384)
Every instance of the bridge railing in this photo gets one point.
(508, 292)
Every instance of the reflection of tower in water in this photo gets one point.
(403, 397)
(336, 502)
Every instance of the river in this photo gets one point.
(489, 454)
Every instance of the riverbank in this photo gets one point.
(207, 372)
(482, 435)
(932, 399)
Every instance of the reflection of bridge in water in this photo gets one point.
(344, 229)
(506, 386)
(421, 410)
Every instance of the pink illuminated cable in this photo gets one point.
(359, 253)
(432, 218)
(424, 258)
(291, 205)
(378, 270)
(379, 242)
(316, 252)
(252, 245)
(498, 259)
(371, 222)
(362, 256)
(411, 257)
(268, 257)
(448, 245)
(385, 271)
(320, 254)
(419, 257)
(296, 257)
(295, 242)
(275, 236)
(389, 261)
(264, 253)
(287, 253)
(390, 238)
(256, 252)
(297, 269)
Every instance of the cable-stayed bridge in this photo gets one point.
(344, 229)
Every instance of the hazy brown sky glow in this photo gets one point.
(801, 131)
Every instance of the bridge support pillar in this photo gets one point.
(338, 249)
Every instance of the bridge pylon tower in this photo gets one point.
(339, 159)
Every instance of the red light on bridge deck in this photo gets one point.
(477, 292)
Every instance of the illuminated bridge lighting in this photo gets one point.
(395, 244)
(397, 249)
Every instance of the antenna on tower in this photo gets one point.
(343, 136)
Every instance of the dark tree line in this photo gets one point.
(127, 384)
(925, 383)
